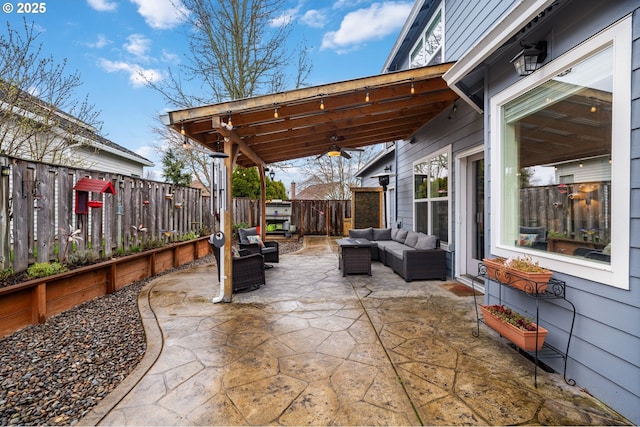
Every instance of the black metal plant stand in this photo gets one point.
(556, 290)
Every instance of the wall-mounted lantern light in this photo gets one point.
(6, 170)
(529, 58)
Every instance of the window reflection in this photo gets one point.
(557, 157)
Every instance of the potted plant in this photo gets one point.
(513, 326)
(520, 272)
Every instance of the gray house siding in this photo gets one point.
(461, 130)
(604, 356)
(466, 21)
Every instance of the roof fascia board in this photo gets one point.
(381, 155)
(522, 13)
(84, 141)
(317, 92)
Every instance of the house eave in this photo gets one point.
(522, 13)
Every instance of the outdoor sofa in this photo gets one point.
(411, 254)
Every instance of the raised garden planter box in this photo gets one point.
(34, 301)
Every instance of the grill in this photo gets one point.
(278, 216)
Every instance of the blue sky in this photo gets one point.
(109, 42)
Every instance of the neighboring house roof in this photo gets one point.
(317, 191)
(32, 107)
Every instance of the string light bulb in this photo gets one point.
(593, 109)
(366, 98)
(185, 141)
(413, 89)
(229, 121)
(275, 113)
(322, 104)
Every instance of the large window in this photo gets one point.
(431, 195)
(560, 159)
(428, 50)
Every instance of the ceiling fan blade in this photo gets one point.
(345, 154)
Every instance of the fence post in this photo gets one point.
(5, 248)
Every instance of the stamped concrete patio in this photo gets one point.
(314, 348)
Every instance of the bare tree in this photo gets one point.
(338, 171)
(237, 49)
(41, 116)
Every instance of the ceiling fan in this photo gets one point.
(336, 151)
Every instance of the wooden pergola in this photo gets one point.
(306, 122)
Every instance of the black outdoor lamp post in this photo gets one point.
(383, 180)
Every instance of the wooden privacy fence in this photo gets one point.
(310, 217)
(577, 211)
(38, 210)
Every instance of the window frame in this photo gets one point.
(616, 274)
(429, 200)
(424, 37)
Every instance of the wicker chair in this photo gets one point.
(270, 250)
(248, 270)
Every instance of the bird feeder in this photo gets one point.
(88, 185)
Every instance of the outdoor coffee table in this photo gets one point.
(354, 256)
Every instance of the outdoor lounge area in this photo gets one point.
(312, 347)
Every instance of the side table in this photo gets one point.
(354, 256)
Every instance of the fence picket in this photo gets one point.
(42, 207)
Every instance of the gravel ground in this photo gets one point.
(56, 372)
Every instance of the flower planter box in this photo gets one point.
(531, 283)
(36, 300)
(526, 340)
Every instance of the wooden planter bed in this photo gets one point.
(34, 301)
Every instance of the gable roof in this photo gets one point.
(28, 105)
(399, 104)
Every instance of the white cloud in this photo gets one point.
(170, 57)
(161, 14)
(138, 76)
(138, 45)
(103, 5)
(314, 18)
(375, 22)
(285, 18)
(341, 4)
(101, 42)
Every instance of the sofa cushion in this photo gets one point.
(399, 234)
(361, 233)
(412, 238)
(426, 242)
(243, 233)
(391, 244)
(381, 234)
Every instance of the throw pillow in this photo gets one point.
(426, 242)
(399, 235)
(255, 239)
(527, 239)
(235, 252)
(381, 234)
(412, 239)
(361, 233)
